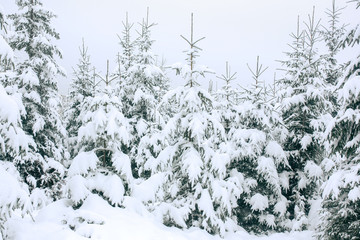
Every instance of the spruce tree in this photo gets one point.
(36, 80)
(195, 189)
(341, 192)
(13, 140)
(101, 166)
(258, 160)
(304, 100)
(144, 85)
(332, 35)
(82, 86)
(227, 98)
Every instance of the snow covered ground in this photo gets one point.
(96, 219)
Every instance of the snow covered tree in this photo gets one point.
(227, 98)
(189, 176)
(304, 93)
(36, 80)
(332, 36)
(258, 160)
(143, 84)
(101, 166)
(82, 86)
(127, 57)
(341, 192)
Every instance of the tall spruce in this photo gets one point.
(194, 187)
(341, 192)
(332, 35)
(36, 80)
(304, 99)
(144, 85)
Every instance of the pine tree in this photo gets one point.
(332, 36)
(258, 160)
(82, 87)
(341, 192)
(194, 187)
(36, 81)
(304, 100)
(126, 59)
(144, 85)
(227, 98)
(101, 166)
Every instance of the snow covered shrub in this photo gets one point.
(101, 166)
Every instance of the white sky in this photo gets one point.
(235, 30)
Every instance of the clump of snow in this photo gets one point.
(351, 89)
(9, 111)
(147, 190)
(306, 141)
(83, 163)
(274, 150)
(354, 194)
(313, 170)
(259, 202)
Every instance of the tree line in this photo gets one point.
(259, 157)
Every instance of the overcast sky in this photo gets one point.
(236, 30)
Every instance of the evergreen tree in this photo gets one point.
(144, 85)
(341, 192)
(227, 98)
(304, 100)
(258, 160)
(82, 87)
(126, 59)
(332, 36)
(101, 166)
(194, 187)
(36, 81)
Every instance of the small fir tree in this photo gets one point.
(101, 166)
(144, 86)
(82, 86)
